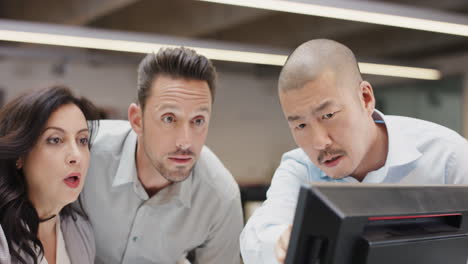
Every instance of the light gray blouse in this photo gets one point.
(79, 241)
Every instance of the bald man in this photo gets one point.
(343, 138)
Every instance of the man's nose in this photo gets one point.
(320, 138)
(184, 138)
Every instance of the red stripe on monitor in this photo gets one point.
(376, 218)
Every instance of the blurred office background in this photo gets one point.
(248, 131)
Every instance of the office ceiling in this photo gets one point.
(210, 21)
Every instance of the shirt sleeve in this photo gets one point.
(457, 164)
(259, 237)
(222, 245)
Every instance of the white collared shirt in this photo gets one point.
(419, 152)
(202, 213)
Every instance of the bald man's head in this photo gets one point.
(315, 57)
(329, 108)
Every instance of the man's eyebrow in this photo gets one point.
(167, 107)
(294, 118)
(203, 109)
(326, 103)
(322, 106)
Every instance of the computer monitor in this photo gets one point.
(380, 224)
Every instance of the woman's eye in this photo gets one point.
(54, 140)
(199, 121)
(168, 119)
(84, 141)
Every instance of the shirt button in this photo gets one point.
(135, 238)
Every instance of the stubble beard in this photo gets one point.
(180, 174)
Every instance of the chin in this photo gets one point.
(177, 177)
(71, 196)
(340, 171)
(336, 177)
(335, 174)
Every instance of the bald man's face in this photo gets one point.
(330, 123)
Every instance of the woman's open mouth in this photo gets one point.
(73, 180)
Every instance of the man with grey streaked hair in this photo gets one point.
(331, 112)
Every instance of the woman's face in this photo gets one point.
(55, 169)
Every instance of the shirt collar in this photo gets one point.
(184, 194)
(180, 192)
(401, 150)
(127, 173)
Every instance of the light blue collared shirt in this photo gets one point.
(202, 213)
(419, 152)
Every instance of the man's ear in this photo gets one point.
(367, 96)
(135, 116)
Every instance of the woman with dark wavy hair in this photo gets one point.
(44, 157)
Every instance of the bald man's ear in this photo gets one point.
(367, 97)
(135, 116)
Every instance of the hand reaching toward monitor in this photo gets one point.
(282, 245)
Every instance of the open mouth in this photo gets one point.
(72, 181)
(333, 161)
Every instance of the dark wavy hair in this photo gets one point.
(22, 121)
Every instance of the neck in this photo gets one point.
(48, 236)
(45, 208)
(149, 176)
(47, 228)
(376, 156)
